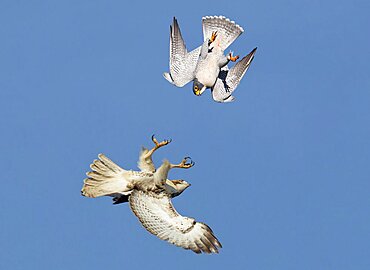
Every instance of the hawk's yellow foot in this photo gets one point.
(160, 144)
(186, 163)
(156, 146)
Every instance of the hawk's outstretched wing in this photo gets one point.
(159, 217)
(227, 31)
(182, 63)
(228, 80)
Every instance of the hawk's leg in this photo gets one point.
(232, 58)
(186, 163)
(156, 146)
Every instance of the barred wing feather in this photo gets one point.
(157, 214)
(228, 80)
(182, 63)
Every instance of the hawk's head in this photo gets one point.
(177, 186)
(198, 88)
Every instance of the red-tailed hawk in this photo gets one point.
(149, 194)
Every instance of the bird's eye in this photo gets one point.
(196, 88)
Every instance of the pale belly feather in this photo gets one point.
(208, 70)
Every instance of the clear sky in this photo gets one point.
(282, 174)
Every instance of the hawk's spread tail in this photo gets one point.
(105, 179)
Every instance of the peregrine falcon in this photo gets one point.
(149, 195)
(206, 65)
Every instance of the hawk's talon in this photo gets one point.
(187, 162)
(164, 142)
(160, 144)
(154, 139)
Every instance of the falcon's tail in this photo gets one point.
(227, 31)
(105, 179)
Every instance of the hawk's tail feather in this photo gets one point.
(109, 164)
(105, 179)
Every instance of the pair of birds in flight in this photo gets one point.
(149, 191)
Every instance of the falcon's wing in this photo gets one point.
(157, 214)
(228, 80)
(227, 31)
(182, 63)
(145, 164)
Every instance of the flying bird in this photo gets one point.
(149, 193)
(207, 66)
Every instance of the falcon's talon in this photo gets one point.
(233, 58)
(213, 37)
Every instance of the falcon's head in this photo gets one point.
(198, 88)
(177, 186)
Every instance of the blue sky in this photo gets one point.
(281, 175)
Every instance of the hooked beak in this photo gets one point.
(199, 92)
(169, 182)
(202, 90)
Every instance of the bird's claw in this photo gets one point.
(160, 144)
(233, 58)
(165, 142)
(213, 37)
(154, 139)
(187, 162)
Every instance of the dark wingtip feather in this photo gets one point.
(251, 54)
(196, 250)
